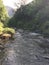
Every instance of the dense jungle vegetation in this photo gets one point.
(4, 17)
(34, 17)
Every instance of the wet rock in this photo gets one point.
(1, 47)
(26, 50)
(20, 30)
(34, 34)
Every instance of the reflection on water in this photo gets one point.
(27, 49)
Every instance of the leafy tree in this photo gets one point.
(3, 13)
(6, 29)
(34, 16)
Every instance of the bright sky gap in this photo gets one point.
(11, 4)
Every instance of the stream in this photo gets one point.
(27, 48)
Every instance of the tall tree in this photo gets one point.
(3, 12)
(34, 16)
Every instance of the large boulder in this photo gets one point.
(6, 36)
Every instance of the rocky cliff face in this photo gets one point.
(14, 4)
(10, 10)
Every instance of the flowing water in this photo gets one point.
(26, 49)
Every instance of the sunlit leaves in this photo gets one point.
(6, 29)
(9, 30)
(3, 12)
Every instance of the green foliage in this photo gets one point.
(3, 20)
(6, 29)
(1, 27)
(3, 13)
(1, 30)
(1, 24)
(9, 30)
(34, 16)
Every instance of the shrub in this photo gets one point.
(6, 29)
(1, 24)
(9, 30)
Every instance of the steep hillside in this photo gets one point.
(34, 16)
(10, 10)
